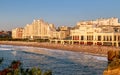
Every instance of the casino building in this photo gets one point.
(99, 32)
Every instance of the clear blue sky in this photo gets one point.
(18, 13)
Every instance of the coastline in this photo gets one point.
(93, 50)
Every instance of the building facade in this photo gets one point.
(95, 32)
(99, 32)
(38, 30)
(17, 33)
(61, 33)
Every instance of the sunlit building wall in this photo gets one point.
(99, 32)
(17, 33)
(38, 30)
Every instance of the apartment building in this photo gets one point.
(17, 33)
(61, 33)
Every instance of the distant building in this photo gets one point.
(99, 32)
(102, 21)
(63, 28)
(17, 33)
(61, 33)
(38, 30)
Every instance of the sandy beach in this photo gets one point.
(97, 50)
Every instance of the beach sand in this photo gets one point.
(96, 50)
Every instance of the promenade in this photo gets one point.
(96, 50)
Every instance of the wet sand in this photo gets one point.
(96, 50)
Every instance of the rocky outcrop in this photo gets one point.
(113, 63)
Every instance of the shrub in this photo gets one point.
(16, 69)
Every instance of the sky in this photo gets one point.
(18, 13)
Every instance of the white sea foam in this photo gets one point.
(54, 53)
(4, 49)
(101, 58)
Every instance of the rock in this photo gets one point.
(113, 67)
(113, 54)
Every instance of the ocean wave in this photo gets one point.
(1, 49)
(54, 53)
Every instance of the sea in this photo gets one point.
(58, 61)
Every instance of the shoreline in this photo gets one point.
(93, 50)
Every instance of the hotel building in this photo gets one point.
(41, 30)
(38, 30)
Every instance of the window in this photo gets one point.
(104, 38)
(82, 37)
(110, 38)
(90, 37)
(118, 38)
(99, 38)
(114, 37)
